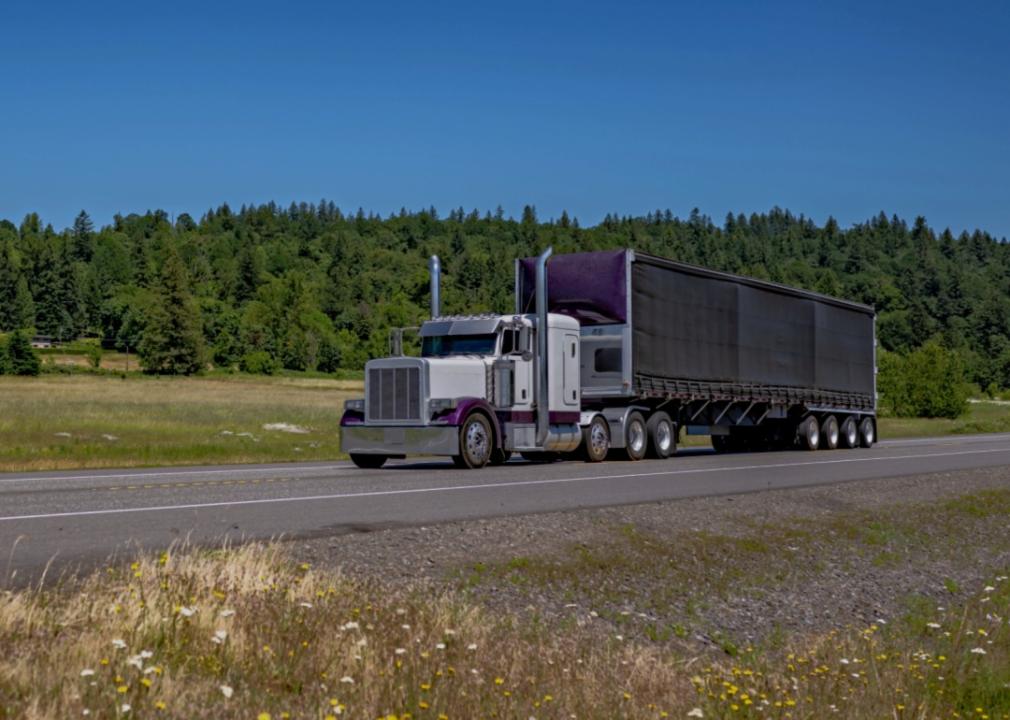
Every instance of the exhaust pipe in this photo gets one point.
(543, 389)
(435, 270)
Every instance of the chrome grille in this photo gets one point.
(394, 393)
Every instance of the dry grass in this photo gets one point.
(55, 422)
(161, 637)
(249, 633)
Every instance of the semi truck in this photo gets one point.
(615, 354)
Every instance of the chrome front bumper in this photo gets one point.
(388, 440)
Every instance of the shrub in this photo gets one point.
(928, 382)
(94, 353)
(259, 363)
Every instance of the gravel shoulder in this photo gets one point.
(720, 572)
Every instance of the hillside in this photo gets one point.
(309, 287)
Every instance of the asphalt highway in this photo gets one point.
(79, 518)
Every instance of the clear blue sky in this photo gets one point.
(843, 108)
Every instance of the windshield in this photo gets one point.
(445, 345)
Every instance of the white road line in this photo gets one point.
(946, 440)
(237, 469)
(484, 486)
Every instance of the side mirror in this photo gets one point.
(523, 346)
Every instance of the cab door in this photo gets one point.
(571, 371)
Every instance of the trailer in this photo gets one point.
(616, 353)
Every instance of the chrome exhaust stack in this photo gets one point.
(435, 270)
(543, 389)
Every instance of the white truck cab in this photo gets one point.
(475, 393)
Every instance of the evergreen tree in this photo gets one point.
(249, 276)
(172, 341)
(9, 277)
(23, 309)
(57, 298)
(21, 357)
(83, 233)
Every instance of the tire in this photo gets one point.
(595, 440)
(809, 433)
(850, 433)
(829, 433)
(722, 444)
(662, 436)
(368, 462)
(636, 436)
(867, 433)
(476, 442)
(499, 456)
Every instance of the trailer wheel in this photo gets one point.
(829, 433)
(867, 432)
(368, 462)
(595, 440)
(475, 442)
(636, 436)
(662, 436)
(809, 433)
(850, 433)
(499, 456)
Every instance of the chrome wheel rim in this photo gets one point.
(636, 437)
(868, 433)
(833, 435)
(664, 436)
(598, 439)
(813, 435)
(852, 435)
(476, 441)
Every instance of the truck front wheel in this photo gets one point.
(662, 436)
(596, 440)
(368, 462)
(636, 436)
(499, 456)
(475, 442)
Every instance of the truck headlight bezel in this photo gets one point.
(437, 406)
(355, 405)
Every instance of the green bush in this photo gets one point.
(259, 363)
(928, 382)
(94, 353)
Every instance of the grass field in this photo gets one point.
(982, 417)
(87, 421)
(91, 421)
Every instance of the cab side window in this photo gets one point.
(508, 340)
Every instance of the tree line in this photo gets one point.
(310, 287)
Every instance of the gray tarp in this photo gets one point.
(693, 324)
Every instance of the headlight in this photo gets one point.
(356, 405)
(438, 405)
